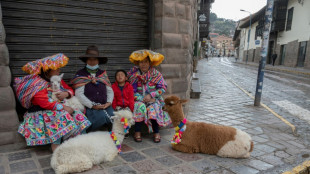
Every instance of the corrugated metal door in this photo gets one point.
(39, 28)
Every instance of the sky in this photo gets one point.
(230, 9)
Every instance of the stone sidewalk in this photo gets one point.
(276, 149)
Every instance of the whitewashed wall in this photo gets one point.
(300, 30)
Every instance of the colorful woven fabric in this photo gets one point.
(124, 121)
(152, 75)
(45, 127)
(52, 62)
(116, 142)
(139, 55)
(83, 80)
(26, 87)
(179, 130)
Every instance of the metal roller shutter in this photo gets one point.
(39, 28)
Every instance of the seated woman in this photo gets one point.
(47, 121)
(149, 86)
(93, 89)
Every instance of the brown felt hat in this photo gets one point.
(92, 51)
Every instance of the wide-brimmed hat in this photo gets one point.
(92, 51)
(52, 62)
(139, 55)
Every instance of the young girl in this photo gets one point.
(123, 92)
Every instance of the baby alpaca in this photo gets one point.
(72, 102)
(82, 152)
(199, 137)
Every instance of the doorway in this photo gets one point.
(270, 52)
(301, 54)
(282, 54)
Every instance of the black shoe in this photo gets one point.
(126, 135)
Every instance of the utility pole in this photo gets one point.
(264, 52)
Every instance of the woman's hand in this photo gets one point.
(97, 107)
(106, 105)
(100, 107)
(147, 98)
(68, 109)
(62, 95)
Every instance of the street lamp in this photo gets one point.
(247, 53)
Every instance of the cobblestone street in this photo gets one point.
(276, 149)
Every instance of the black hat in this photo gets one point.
(92, 51)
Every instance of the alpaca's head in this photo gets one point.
(173, 105)
(119, 117)
(55, 82)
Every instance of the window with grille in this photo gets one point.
(289, 19)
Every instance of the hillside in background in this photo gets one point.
(221, 25)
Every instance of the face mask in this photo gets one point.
(92, 67)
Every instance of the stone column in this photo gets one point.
(8, 116)
(175, 31)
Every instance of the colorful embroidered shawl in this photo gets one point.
(83, 80)
(151, 76)
(26, 87)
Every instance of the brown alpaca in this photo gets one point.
(207, 138)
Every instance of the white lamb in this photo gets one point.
(82, 152)
(73, 102)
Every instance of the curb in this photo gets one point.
(304, 168)
(279, 69)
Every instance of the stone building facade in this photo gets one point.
(174, 32)
(174, 36)
(8, 116)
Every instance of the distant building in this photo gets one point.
(289, 35)
(213, 35)
(223, 45)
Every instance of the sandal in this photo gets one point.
(137, 137)
(156, 138)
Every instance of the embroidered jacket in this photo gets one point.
(151, 82)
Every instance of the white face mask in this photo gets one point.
(92, 67)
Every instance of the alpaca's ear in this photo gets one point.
(183, 101)
(113, 117)
(61, 75)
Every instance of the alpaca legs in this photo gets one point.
(183, 148)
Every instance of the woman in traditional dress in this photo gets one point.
(47, 121)
(149, 86)
(93, 89)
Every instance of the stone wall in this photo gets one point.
(8, 116)
(257, 55)
(175, 31)
(251, 52)
(291, 54)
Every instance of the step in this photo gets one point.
(195, 89)
(195, 76)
